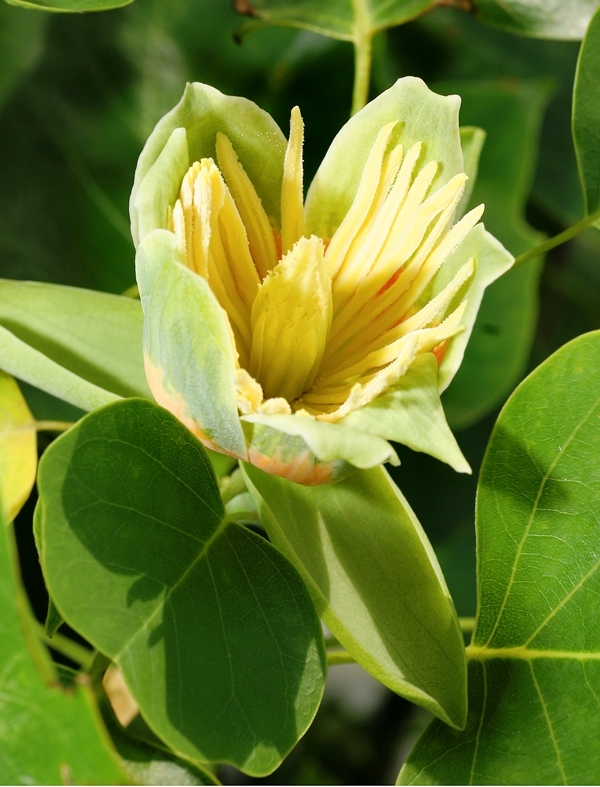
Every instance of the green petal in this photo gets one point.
(202, 112)
(424, 117)
(411, 413)
(491, 261)
(336, 447)
(188, 348)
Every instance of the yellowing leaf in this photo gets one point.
(18, 447)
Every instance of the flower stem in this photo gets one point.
(72, 650)
(363, 51)
(562, 237)
(467, 625)
(53, 426)
(335, 657)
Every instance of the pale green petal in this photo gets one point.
(331, 442)
(188, 346)
(203, 111)
(160, 187)
(491, 261)
(423, 116)
(411, 413)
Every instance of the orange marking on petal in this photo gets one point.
(440, 350)
(177, 406)
(302, 469)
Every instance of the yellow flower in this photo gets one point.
(320, 324)
(330, 329)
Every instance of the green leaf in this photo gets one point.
(500, 344)
(145, 763)
(187, 344)
(35, 709)
(70, 6)
(423, 115)
(547, 19)
(22, 361)
(21, 39)
(201, 113)
(586, 115)
(348, 20)
(18, 447)
(212, 628)
(94, 335)
(411, 413)
(534, 665)
(374, 579)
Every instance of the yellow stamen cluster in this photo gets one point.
(324, 328)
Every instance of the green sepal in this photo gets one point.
(411, 413)
(188, 348)
(374, 579)
(203, 111)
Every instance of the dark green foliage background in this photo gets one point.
(80, 94)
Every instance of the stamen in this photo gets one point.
(260, 234)
(292, 198)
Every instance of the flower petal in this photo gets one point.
(424, 117)
(410, 412)
(337, 448)
(188, 348)
(202, 112)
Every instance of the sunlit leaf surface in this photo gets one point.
(534, 665)
(213, 629)
(47, 736)
(374, 579)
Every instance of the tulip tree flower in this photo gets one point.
(302, 336)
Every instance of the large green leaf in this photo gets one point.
(212, 628)
(586, 115)
(348, 20)
(47, 736)
(375, 581)
(501, 341)
(18, 447)
(26, 363)
(70, 6)
(94, 335)
(534, 665)
(540, 18)
(355, 20)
